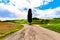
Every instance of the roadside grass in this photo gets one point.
(23, 21)
(53, 25)
(8, 28)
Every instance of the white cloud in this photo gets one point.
(14, 10)
(29, 3)
(35, 3)
(48, 13)
(3, 19)
(20, 4)
(47, 1)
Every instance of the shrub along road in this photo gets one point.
(34, 32)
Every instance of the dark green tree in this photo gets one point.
(29, 17)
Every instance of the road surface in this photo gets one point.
(34, 32)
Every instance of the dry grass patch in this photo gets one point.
(4, 26)
(7, 28)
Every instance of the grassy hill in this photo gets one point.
(10, 26)
(52, 24)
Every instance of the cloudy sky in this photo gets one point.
(17, 9)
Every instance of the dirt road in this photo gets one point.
(33, 32)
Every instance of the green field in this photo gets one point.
(53, 27)
(53, 24)
(10, 26)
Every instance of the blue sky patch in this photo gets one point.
(6, 14)
(50, 5)
(5, 1)
(15, 6)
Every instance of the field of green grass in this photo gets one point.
(53, 24)
(7, 28)
(53, 27)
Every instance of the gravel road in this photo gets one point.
(34, 32)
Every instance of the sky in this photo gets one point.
(18, 9)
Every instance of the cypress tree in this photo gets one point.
(29, 17)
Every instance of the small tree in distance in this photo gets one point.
(29, 17)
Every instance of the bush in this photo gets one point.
(44, 21)
(35, 18)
